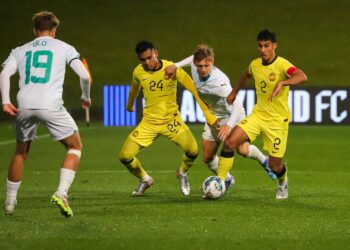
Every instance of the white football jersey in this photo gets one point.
(214, 91)
(41, 65)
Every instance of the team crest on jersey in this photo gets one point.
(272, 76)
(135, 133)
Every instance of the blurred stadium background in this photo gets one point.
(314, 35)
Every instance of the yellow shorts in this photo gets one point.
(274, 132)
(146, 133)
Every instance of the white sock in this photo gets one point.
(12, 188)
(213, 165)
(66, 180)
(256, 154)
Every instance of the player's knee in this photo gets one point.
(192, 155)
(125, 157)
(22, 151)
(228, 146)
(243, 151)
(192, 152)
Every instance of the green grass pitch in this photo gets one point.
(315, 216)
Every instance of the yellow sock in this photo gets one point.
(284, 176)
(127, 157)
(188, 144)
(186, 163)
(225, 165)
(136, 169)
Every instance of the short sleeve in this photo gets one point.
(249, 68)
(135, 79)
(287, 68)
(72, 54)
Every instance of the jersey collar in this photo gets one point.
(43, 37)
(204, 79)
(161, 66)
(267, 64)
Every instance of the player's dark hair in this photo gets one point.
(202, 52)
(142, 46)
(267, 35)
(45, 20)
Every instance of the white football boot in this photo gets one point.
(282, 189)
(184, 183)
(10, 204)
(143, 185)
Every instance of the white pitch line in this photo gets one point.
(44, 136)
(14, 141)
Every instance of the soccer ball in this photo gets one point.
(213, 188)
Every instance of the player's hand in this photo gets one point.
(10, 109)
(231, 97)
(276, 90)
(170, 72)
(224, 132)
(85, 103)
(130, 109)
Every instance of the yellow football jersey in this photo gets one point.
(266, 77)
(159, 93)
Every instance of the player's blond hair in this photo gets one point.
(45, 20)
(203, 51)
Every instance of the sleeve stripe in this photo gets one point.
(72, 60)
(290, 71)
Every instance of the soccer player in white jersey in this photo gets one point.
(41, 65)
(213, 87)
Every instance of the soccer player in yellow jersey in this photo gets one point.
(270, 117)
(160, 116)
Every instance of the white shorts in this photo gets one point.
(211, 134)
(59, 123)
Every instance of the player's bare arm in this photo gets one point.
(134, 92)
(298, 77)
(241, 81)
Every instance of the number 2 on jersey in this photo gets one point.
(47, 64)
